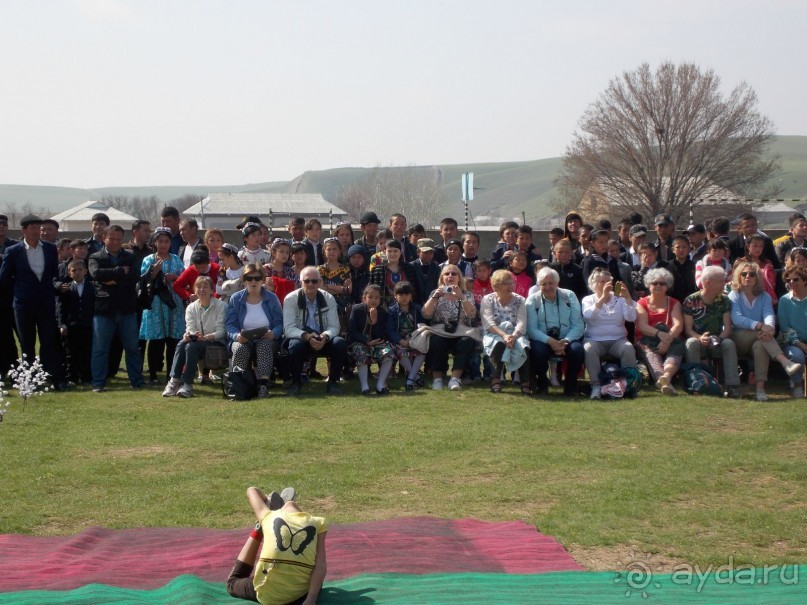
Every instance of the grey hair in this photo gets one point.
(592, 279)
(547, 272)
(713, 272)
(659, 273)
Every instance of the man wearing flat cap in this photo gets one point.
(369, 223)
(29, 269)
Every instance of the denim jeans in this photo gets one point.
(795, 354)
(104, 327)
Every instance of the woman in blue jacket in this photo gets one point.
(255, 326)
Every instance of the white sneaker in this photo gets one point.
(437, 385)
(596, 392)
(171, 388)
(794, 369)
(454, 384)
(185, 391)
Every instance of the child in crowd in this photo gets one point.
(453, 251)
(525, 244)
(359, 273)
(717, 254)
(379, 257)
(429, 270)
(416, 233)
(344, 233)
(230, 270)
(336, 278)
(75, 310)
(394, 271)
(78, 251)
(522, 272)
(470, 247)
(313, 230)
(480, 287)
(200, 265)
(555, 235)
(508, 233)
(251, 252)
(214, 240)
(369, 340)
(403, 318)
(299, 255)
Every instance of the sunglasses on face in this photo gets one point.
(253, 278)
(450, 273)
(310, 281)
(660, 284)
(748, 274)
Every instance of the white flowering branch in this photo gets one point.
(28, 378)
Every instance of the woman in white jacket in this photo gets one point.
(204, 323)
(605, 313)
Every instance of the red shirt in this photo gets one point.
(183, 285)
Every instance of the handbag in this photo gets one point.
(216, 355)
(239, 385)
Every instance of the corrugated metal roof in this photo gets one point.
(84, 212)
(261, 203)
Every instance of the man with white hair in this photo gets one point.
(707, 327)
(311, 327)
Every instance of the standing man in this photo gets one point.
(311, 327)
(49, 231)
(100, 223)
(665, 227)
(696, 234)
(169, 218)
(28, 270)
(115, 275)
(8, 346)
(189, 231)
(397, 224)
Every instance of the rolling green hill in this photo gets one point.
(504, 189)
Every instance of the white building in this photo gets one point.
(79, 218)
(226, 210)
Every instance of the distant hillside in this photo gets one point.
(504, 189)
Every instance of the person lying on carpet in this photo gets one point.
(292, 565)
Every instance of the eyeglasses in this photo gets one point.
(253, 278)
(659, 284)
(790, 280)
(748, 274)
(310, 281)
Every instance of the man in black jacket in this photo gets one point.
(8, 346)
(115, 276)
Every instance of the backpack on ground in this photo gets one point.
(698, 380)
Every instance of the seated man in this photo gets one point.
(707, 327)
(311, 326)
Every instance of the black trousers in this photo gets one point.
(440, 347)
(79, 353)
(31, 322)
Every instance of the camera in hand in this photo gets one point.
(553, 332)
(451, 326)
(447, 290)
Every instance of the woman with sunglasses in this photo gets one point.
(792, 313)
(254, 326)
(659, 325)
(451, 305)
(755, 324)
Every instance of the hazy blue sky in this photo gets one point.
(122, 92)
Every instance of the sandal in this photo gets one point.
(496, 387)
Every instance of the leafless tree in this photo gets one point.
(413, 191)
(147, 208)
(183, 202)
(652, 142)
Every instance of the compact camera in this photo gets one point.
(553, 332)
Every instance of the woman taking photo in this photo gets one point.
(555, 329)
(254, 327)
(504, 322)
(754, 325)
(204, 321)
(606, 312)
(452, 306)
(659, 325)
(163, 323)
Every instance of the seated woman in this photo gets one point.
(707, 326)
(451, 304)
(369, 340)
(504, 321)
(403, 319)
(605, 313)
(555, 328)
(254, 326)
(659, 325)
(754, 324)
(204, 324)
(792, 314)
(287, 572)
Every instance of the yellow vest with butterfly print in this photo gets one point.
(287, 557)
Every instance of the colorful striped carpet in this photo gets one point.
(401, 561)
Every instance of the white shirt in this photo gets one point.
(36, 258)
(255, 317)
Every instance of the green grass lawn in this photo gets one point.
(686, 479)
